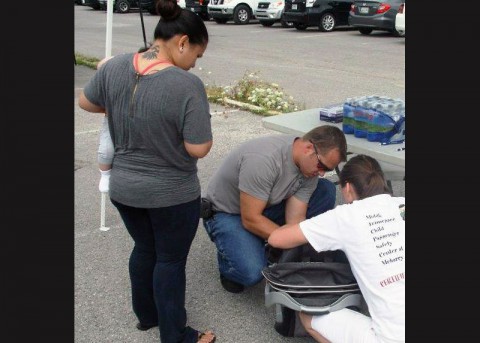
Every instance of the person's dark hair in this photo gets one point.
(366, 176)
(177, 21)
(326, 138)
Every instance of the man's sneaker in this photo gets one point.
(231, 286)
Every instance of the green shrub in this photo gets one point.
(251, 89)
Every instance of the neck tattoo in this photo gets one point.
(151, 54)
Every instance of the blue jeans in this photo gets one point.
(241, 254)
(162, 238)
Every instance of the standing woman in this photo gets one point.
(159, 121)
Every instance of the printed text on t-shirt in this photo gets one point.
(385, 238)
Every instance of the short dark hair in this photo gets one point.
(326, 138)
(366, 176)
(174, 21)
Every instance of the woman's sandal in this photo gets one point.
(206, 337)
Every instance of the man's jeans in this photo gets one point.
(241, 254)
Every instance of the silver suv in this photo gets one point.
(269, 12)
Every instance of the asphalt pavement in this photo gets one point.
(103, 312)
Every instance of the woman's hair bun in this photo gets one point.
(168, 9)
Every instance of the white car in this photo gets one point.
(400, 20)
(269, 12)
(240, 11)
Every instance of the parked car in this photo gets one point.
(269, 12)
(240, 11)
(90, 3)
(325, 14)
(200, 7)
(372, 15)
(124, 6)
(400, 19)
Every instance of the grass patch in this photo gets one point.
(87, 61)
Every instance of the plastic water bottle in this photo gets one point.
(348, 119)
(380, 124)
(396, 117)
(360, 116)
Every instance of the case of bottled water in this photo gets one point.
(376, 118)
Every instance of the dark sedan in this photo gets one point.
(371, 15)
(325, 14)
(90, 3)
(124, 6)
(200, 7)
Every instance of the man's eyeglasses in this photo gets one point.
(320, 165)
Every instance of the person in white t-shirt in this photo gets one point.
(370, 229)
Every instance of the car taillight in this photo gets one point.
(383, 8)
(400, 9)
(352, 8)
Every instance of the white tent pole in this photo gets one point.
(108, 45)
(108, 53)
(102, 213)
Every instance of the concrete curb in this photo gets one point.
(248, 107)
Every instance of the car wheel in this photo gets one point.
(286, 23)
(327, 22)
(241, 15)
(267, 23)
(220, 20)
(365, 30)
(123, 6)
(300, 26)
(95, 7)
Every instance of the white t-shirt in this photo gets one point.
(371, 232)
